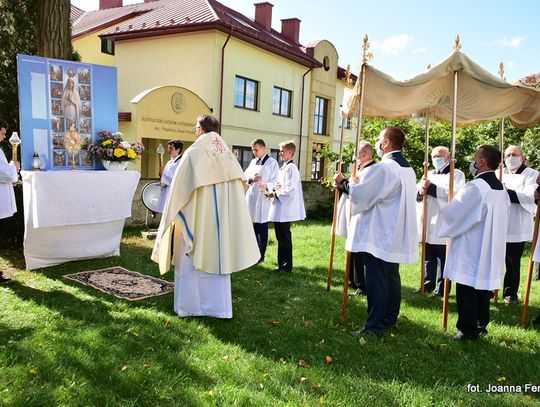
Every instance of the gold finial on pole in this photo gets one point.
(429, 67)
(457, 44)
(366, 55)
(501, 71)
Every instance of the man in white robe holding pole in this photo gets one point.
(207, 214)
(436, 188)
(385, 202)
(520, 183)
(475, 220)
(175, 148)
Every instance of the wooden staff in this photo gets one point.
(501, 147)
(530, 272)
(366, 56)
(336, 202)
(424, 209)
(457, 47)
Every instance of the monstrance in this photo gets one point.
(73, 142)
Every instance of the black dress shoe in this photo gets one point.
(460, 336)
(282, 270)
(365, 332)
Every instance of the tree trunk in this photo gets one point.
(54, 29)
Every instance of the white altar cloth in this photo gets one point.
(75, 215)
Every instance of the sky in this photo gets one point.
(408, 35)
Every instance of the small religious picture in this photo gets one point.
(86, 110)
(56, 107)
(85, 159)
(56, 72)
(57, 123)
(57, 140)
(84, 91)
(86, 126)
(84, 76)
(56, 90)
(71, 122)
(69, 158)
(59, 158)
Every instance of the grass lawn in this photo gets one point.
(65, 344)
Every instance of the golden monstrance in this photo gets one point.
(73, 142)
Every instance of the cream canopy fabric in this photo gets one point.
(481, 95)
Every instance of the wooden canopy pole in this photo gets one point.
(457, 47)
(424, 209)
(523, 319)
(366, 56)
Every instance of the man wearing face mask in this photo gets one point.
(474, 220)
(520, 183)
(436, 190)
(385, 201)
(347, 226)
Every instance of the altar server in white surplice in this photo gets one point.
(261, 174)
(8, 175)
(174, 148)
(436, 188)
(345, 225)
(385, 202)
(287, 205)
(476, 220)
(520, 183)
(207, 214)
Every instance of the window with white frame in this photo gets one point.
(246, 93)
(282, 101)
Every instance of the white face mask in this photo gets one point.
(439, 163)
(512, 163)
(472, 168)
(378, 148)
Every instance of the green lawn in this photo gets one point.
(65, 344)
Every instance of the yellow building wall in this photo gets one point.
(323, 84)
(89, 48)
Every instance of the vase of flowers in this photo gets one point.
(113, 151)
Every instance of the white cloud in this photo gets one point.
(511, 64)
(393, 45)
(419, 50)
(512, 42)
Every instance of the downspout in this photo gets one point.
(221, 88)
(302, 116)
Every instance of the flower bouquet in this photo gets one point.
(110, 148)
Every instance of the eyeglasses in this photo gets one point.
(196, 128)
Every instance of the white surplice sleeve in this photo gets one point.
(462, 213)
(378, 183)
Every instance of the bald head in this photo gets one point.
(513, 157)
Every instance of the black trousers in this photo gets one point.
(261, 233)
(284, 240)
(383, 285)
(514, 251)
(473, 309)
(357, 277)
(434, 280)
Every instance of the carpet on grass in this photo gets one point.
(123, 283)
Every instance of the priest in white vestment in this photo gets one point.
(207, 219)
(347, 226)
(520, 183)
(8, 175)
(385, 201)
(174, 148)
(475, 221)
(261, 173)
(436, 188)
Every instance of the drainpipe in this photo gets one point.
(302, 117)
(221, 89)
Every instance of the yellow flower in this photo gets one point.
(106, 142)
(118, 152)
(132, 154)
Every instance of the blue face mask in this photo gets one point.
(439, 163)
